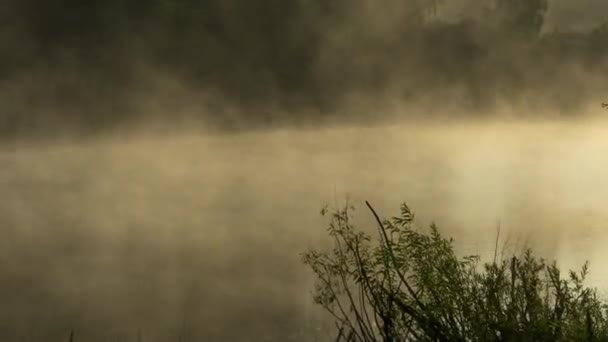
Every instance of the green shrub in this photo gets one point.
(409, 285)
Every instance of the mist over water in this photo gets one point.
(163, 163)
(188, 233)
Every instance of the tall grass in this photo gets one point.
(409, 285)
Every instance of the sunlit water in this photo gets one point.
(202, 234)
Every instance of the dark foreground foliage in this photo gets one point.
(409, 285)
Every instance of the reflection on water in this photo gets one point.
(200, 232)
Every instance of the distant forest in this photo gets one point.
(83, 56)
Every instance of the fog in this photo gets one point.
(163, 164)
(74, 69)
(188, 234)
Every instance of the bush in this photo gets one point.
(408, 285)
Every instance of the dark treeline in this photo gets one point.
(86, 59)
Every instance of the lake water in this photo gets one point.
(200, 235)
